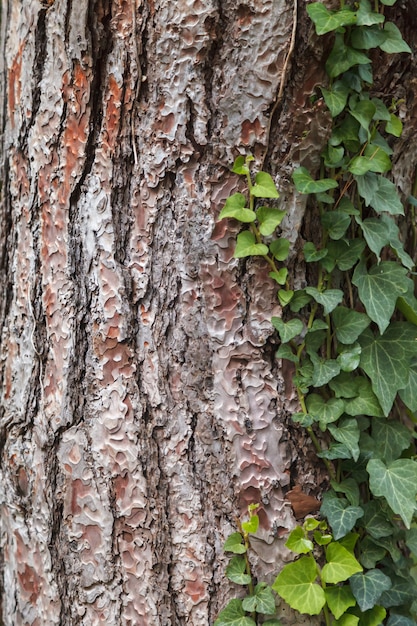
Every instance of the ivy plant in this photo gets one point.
(351, 334)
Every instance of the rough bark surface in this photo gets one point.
(141, 406)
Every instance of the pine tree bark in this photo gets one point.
(141, 405)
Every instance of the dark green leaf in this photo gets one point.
(344, 253)
(349, 324)
(391, 438)
(324, 411)
(285, 352)
(370, 553)
(280, 248)
(342, 57)
(329, 299)
(350, 488)
(376, 234)
(393, 41)
(380, 193)
(363, 111)
(368, 588)
(300, 300)
(376, 520)
(262, 600)
(401, 592)
(324, 370)
(367, 38)
(234, 543)
(347, 432)
(336, 223)
(365, 403)
(386, 360)
(326, 21)
(304, 183)
(234, 615)
(400, 620)
(336, 97)
(236, 571)
(409, 393)
(379, 289)
(341, 516)
(367, 17)
(349, 357)
(311, 254)
(397, 483)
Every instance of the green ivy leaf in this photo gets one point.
(296, 585)
(343, 57)
(339, 599)
(393, 41)
(376, 519)
(373, 617)
(409, 393)
(252, 525)
(236, 571)
(363, 111)
(350, 488)
(234, 543)
(280, 249)
(326, 21)
(336, 97)
(397, 483)
(368, 588)
(234, 615)
(264, 186)
(240, 165)
(235, 207)
(376, 234)
(347, 432)
(329, 299)
(340, 565)
(324, 411)
(349, 357)
(269, 218)
(262, 600)
(379, 289)
(324, 370)
(367, 17)
(299, 300)
(298, 542)
(349, 324)
(394, 126)
(341, 516)
(347, 620)
(400, 620)
(285, 296)
(401, 592)
(344, 386)
(285, 352)
(367, 38)
(370, 553)
(336, 223)
(304, 183)
(380, 193)
(366, 402)
(311, 254)
(343, 253)
(280, 277)
(378, 159)
(391, 438)
(386, 360)
(287, 330)
(246, 246)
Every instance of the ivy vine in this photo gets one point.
(352, 337)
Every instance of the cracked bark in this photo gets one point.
(141, 406)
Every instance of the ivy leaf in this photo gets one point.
(234, 543)
(375, 232)
(235, 207)
(287, 330)
(367, 17)
(378, 159)
(366, 402)
(391, 438)
(280, 277)
(341, 564)
(326, 21)
(339, 599)
(236, 571)
(296, 585)
(376, 519)
(304, 183)
(324, 370)
(298, 542)
(368, 588)
(409, 393)
(240, 166)
(234, 615)
(344, 386)
(373, 617)
(380, 193)
(379, 289)
(324, 411)
(394, 126)
(311, 254)
(363, 111)
(336, 223)
(349, 357)
(393, 41)
(400, 620)
(336, 98)
(285, 352)
(252, 525)
(401, 592)
(343, 57)
(366, 38)
(349, 324)
(285, 296)
(262, 601)
(347, 432)
(246, 246)
(329, 299)
(340, 515)
(280, 248)
(300, 300)
(347, 620)
(386, 360)
(269, 218)
(397, 483)
(350, 488)
(344, 254)
(264, 186)
(371, 553)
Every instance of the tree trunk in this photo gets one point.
(141, 405)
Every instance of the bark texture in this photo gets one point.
(141, 406)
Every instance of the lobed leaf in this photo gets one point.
(296, 585)
(235, 207)
(246, 245)
(264, 186)
(339, 599)
(287, 330)
(304, 183)
(397, 483)
(326, 21)
(340, 564)
(368, 588)
(234, 615)
(341, 516)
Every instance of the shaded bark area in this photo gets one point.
(141, 405)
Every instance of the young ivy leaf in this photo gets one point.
(234, 543)
(280, 277)
(296, 585)
(264, 186)
(304, 183)
(343, 57)
(246, 245)
(235, 207)
(339, 599)
(298, 542)
(269, 218)
(341, 564)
